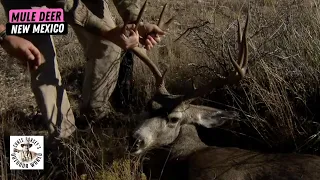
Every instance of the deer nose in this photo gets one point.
(136, 142)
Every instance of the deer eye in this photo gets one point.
(173, 119)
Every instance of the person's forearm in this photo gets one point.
(128, 9)
(2, 33)
(113, 35)
(2, 27)
(76, 13)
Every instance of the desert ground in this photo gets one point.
(278, 100)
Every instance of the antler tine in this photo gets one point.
(161, 24)
(234, 63)
(245, 42)
(166, 25)
(239, 31)
(242, 64)
(140, 14)
(239, 43)
(161, 15)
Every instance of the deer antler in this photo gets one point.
(240, 66)
(144, 57)
(163, 99)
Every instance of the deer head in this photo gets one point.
(170, 111)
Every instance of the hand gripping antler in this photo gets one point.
(141, 53)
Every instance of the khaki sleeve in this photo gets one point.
(128, 9)
(76, 13)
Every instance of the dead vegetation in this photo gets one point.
(278, 101)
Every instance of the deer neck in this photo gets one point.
(187, 142)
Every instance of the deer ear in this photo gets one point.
(216, 118)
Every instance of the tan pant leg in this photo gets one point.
(46, 85)
(102, 67)
(50, 95)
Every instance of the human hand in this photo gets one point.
(125, 37)
(23, 50)
(151, 35)
(130, 36)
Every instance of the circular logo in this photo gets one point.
(27, 153)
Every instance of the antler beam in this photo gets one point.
(141, 53)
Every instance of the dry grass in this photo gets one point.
(279, 99)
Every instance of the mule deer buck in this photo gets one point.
(173, 123)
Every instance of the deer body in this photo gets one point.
(234, 163)
(197, 161)
(172, 122)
